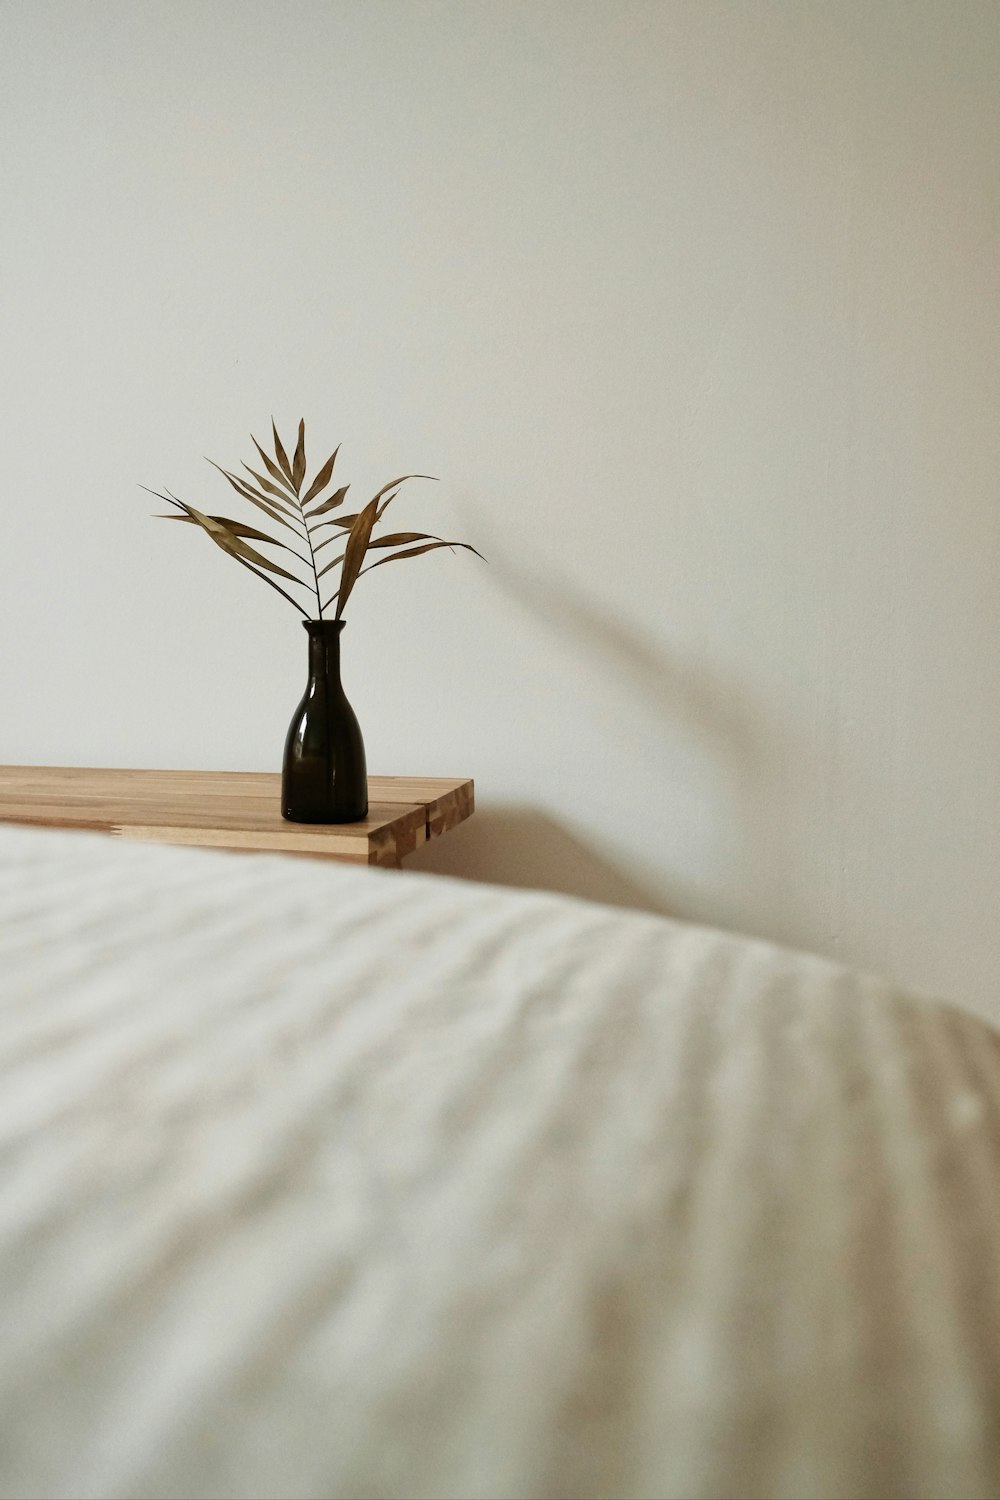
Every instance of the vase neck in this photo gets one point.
(324, 649)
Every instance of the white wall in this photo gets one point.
(694, 308)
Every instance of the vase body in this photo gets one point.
(324, 778)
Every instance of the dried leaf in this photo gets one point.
(337, 498)
(393, 482)
(322, 478)
(161, 495)
(273, 470)
(238, 528)
(272, 585)
(357, 546)
(269, 507)
(343, 525)
(323, 571)
(400, 538)
(385, 505)
(299, 461)
(418, 552)
(232, 544)
(344, 522)
(282, 457)
(271, 489)
(224, 538)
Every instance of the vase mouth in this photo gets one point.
(324, 627)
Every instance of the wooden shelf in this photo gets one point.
(232, 810)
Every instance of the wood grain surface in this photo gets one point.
(232, 810)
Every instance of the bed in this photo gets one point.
(322, 1181)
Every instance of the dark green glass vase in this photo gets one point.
(324, 778)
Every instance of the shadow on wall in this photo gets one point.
(523, 847)
(689, 697)
(704, 719)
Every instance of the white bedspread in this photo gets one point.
(318, 1181)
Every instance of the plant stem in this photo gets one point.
(271, 584)
(312, 558)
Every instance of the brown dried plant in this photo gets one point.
(308, 517)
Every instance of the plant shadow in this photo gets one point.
(684, 722)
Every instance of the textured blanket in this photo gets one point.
(317, 1181)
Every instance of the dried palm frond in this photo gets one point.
(308, 517)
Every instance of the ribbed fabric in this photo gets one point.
(318, 1181)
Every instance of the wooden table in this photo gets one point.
(232, 810)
